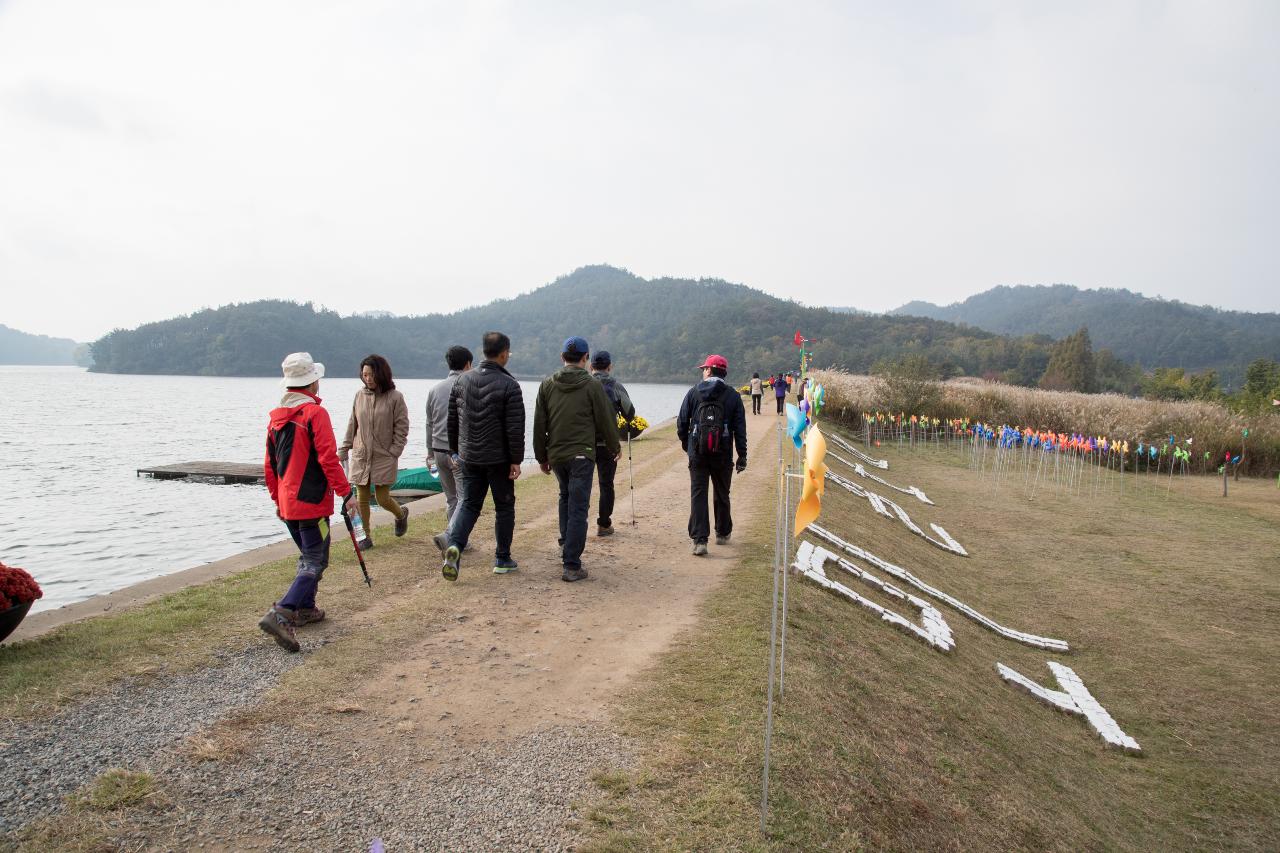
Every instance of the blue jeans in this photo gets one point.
(575, 479)
(312, 538)
(477, 480)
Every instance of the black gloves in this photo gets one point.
(742, 464)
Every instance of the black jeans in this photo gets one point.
(606, 470)
(575, 501)
(755, 403)
(719, 471)
(312, 538)
(780, 400)
(476, 481)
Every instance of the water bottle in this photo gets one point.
(357, 525)
(432, 466)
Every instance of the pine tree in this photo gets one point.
(1071, 365)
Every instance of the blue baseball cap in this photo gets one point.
(601, 359)
(575, 346)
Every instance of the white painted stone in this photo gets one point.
(863, 472)
(1074, 698)
(849, 448)
(886, 507)
(907, 577)
(933, 628)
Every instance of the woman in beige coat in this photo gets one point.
(376, 435)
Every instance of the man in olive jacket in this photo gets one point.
(571, 415)
(486, 440)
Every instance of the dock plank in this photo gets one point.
(226, 472)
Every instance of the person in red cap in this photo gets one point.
(711, 423)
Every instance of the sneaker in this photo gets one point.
(402, 523)
(441, 541)
(279, 624)
(452, 556)
(307, 615)
(571, 575)
(723, 540)
(604, 531)
(504, 566)
(366, 544)
(699, 549)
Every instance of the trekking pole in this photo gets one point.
(631, 477)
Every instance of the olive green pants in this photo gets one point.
(383, 495)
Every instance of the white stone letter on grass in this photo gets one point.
(932, 628)
(1074, 698)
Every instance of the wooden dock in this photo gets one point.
(221, 472)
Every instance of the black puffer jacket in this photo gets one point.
(486, 417)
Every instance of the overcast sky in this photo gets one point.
(159, 157)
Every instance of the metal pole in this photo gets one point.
(773, 637)
(786, 560)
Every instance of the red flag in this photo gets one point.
(799, 339)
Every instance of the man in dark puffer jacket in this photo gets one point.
(486, 438)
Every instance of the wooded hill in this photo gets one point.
(1151, 332)
(658, 330)
(23, 348)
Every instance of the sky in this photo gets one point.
(415, 157)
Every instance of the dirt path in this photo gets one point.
(484, 730)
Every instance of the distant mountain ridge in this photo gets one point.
(1152, 332)
(657, 329)
(24, 348)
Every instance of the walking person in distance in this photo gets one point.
(757, 393)
(376, 434)
(458, 358)
(606, 464)
(780, 392)
(711, 424)
(486, 440)
(571, 417)
(303, 476)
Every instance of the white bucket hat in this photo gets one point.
(299, 370)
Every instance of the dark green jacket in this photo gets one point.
(572, 412)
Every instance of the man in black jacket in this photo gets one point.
(711, 423)
(486, 438)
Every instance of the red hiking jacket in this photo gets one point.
(302, 469)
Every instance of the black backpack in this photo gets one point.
(612, 393)
(709, 427)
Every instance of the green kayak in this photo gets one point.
(415, 482)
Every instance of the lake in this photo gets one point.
(83, 523)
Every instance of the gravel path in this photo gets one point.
(299, 793)
(126, 726)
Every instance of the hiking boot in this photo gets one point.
(452, 556)
(699, 549)
(307, 615)
(504, 565)
(604, 531)
(279, 624)
(441, 541)
(402, 523)
(723, 540)
(571, 575)
(366, 544)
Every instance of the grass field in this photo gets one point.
(1169, 601)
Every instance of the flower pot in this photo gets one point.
(9, 619)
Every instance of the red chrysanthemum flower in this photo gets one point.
(17, 587)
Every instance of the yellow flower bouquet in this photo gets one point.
(633, 428)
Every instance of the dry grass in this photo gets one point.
(1169, 604)
(1214, 428)
(219, 743)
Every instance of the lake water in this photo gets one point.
(83, 523)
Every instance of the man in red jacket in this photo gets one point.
(303, 475)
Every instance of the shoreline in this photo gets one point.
(144, 592)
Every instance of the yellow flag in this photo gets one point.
(815, 479)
